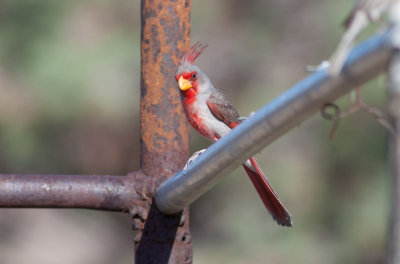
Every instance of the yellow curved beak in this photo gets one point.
(184, 84)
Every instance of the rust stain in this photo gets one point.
(164, 129)
(165, 38)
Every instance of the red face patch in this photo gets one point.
(191, 76)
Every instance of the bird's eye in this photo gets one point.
(194, 75)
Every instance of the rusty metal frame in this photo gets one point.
(165, 145)
(164, 149)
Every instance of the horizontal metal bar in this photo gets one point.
(289, 109)
(113, 193)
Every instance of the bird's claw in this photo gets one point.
(242, 118)
(192, 158)
(322, 66)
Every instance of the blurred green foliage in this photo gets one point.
(70, 71)
(23, 24)
(69, 102)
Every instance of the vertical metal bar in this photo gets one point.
(393, 256)
(164, 130)
(393, 252)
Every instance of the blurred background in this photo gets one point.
(69, 104)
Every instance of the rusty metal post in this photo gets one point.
(164, 130)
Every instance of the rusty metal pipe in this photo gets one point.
(113, 193)
(164, 130)
(288, 110)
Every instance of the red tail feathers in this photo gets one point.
(267, 194)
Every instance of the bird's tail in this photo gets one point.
(267, 194)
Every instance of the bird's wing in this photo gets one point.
(223, 110)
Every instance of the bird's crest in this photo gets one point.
(195, 51)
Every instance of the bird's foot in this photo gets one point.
(323, 65)
(242, 118)
(192, 158)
